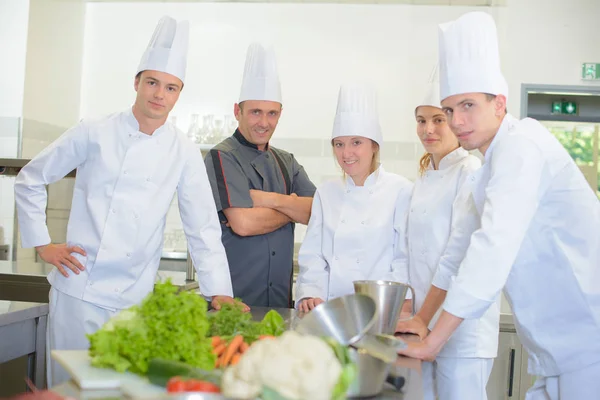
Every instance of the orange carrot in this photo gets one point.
(236, 358)
(216, 340)
(219, 349)
(218, 362)
(261, 337)
(232, 349)
(243, 347)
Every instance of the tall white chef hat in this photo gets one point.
(432, 94)
(168, 47)
(469, 57)
(260, 81)
(356, 113)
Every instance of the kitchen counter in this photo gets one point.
(23, 333)
(409, 368)
(26, 280)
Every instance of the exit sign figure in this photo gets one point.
(590, 71)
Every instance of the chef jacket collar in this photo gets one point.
(507, 121)
(240, 138)
(370, 181)
(450, 159)
(135, 125)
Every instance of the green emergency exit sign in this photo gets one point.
(564, 108)
(590, 71)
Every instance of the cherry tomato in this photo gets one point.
(194, 385)
(176, 384)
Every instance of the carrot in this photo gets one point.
(262, 337)
(218, 362)
(216, 340)
(219, 349)
(232, 349)
(236, 358)
(243, 347)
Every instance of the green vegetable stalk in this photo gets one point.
(166, 325)
(231, 320)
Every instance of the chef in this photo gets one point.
(539, 235)
(129, 166)
(461, 370)
(260, 191)
(357, 229)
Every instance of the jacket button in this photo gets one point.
(272, 253)
(348, 191)
(337, 258)
(125, 172)
(343, 221)
(270, 284)
(117, 290)
(362, 222)
(113, 211)
(357, 261)
(128, 254)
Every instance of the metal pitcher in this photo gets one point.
(389, 297)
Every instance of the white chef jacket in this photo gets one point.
(539, 239)
(429, 223)
(123, 189)
(354, 233)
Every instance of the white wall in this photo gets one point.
(320, 46)
(13, 46)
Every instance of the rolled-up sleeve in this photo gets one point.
(52, 164)
(511, 200)
(202, 229)
(229, 184)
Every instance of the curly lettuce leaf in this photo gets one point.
(167, 325)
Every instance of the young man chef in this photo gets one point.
(129, 165)
(539, 231)
(260, 191)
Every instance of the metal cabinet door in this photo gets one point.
(505, 379)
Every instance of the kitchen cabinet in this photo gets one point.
(509, 379)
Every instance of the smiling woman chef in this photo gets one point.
(129, 165)
(462, 368)
(539, 235)
(358, 225)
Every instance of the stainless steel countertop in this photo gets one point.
(16, 311)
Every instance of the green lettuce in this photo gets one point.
(231, 320)
(167, 325)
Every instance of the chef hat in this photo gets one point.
(432, 94)
(469, 57)
(260, 81)
(356, 113)
(167, 50)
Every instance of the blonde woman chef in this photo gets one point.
(462, 368)
(357, 228)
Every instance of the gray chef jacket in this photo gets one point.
(261, 266)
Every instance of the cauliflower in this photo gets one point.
(293, 365)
